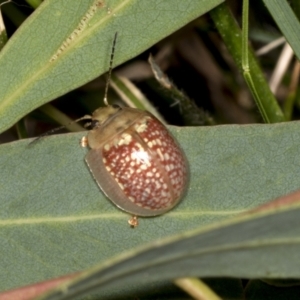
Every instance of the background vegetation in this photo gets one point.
(54, 220)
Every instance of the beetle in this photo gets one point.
(133, 158)
(135, 161)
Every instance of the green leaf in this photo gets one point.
(265, 244)
(65, 44)
(287, 22)
(54, 220)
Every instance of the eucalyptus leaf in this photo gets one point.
(54, 220)
(265, 244)
(65, 44)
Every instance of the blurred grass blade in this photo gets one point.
(132, 96)
(61, 118)
(231, 34)
(34, 3)
(270, 46)
(80, 34)
(21, 129)
(282, 65)
(287, 22)
(196, 288)
(292, 96)
(245, 62)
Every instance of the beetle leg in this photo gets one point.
(133, 221)
(84, 142)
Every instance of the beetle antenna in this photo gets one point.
(86, 117)
(110, 69)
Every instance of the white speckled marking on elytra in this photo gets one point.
(139, 147)
(166, 155)
(106, 147)
(125, 139)
(139, 128)
(158, 151)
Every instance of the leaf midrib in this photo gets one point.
(32, 79)
(69, 219)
